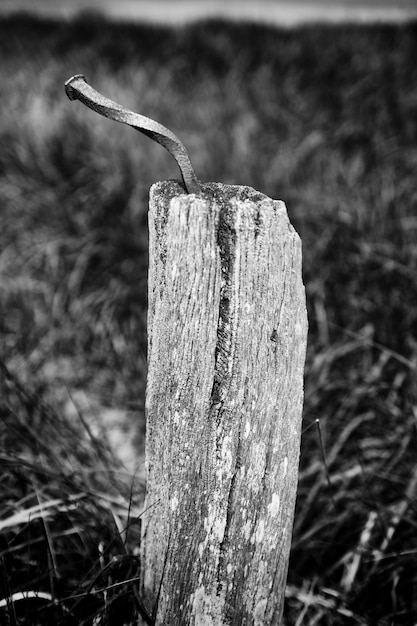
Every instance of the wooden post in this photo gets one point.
(227, 331)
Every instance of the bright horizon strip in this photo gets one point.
(281, 12)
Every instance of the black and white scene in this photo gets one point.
(208, 313)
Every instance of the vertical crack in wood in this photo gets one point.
(228, 307)
(225, 373)
(229, 512)
(225, 354)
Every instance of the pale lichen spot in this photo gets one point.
(260, 531)
(219, 527)
(206, 609)
(247, 430)
(227, 457)
(214, 523)
(246, 530)
(229, 568)
(285, 466)
(174, 502)
(259, 613)
(273, 506)
(256, 466)
(299, 329)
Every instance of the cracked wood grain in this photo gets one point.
(227, 334)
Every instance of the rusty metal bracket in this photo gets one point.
(77, 88)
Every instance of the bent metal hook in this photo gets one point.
(77, 88)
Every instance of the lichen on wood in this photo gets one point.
(227, 333)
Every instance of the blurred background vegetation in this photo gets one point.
(324, 118)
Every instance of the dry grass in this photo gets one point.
(324, 118)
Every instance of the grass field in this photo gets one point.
(324, 118)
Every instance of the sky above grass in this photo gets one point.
(276, 11)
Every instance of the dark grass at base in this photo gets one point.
(324, 118)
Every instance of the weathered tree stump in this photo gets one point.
(227, 331)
